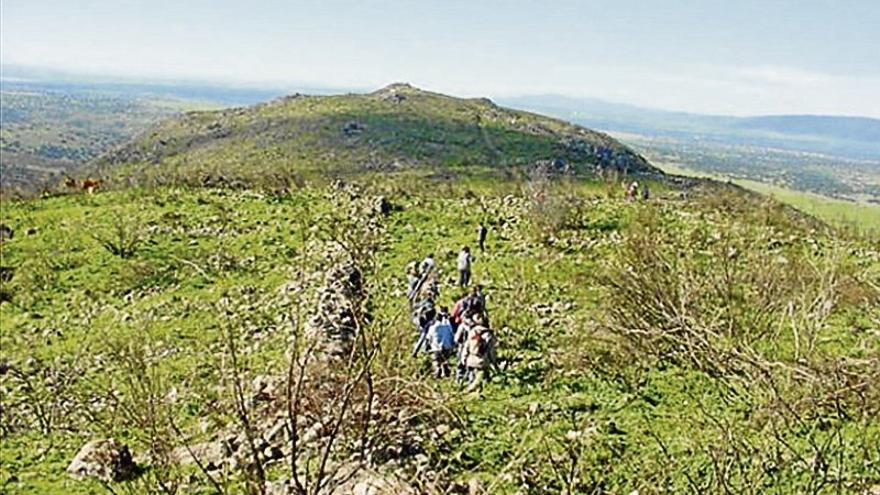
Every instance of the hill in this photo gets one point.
(50, 131)
(210, 334)
(850, 137)
(833, 156)
(398, 128)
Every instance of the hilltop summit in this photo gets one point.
(398, 127)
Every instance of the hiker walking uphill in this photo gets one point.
(422, 275)
(479, 355)
(465, 332)
(482, 231)
(424, 315)
(464, 267)
(441, 343)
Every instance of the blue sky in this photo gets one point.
(708, 56)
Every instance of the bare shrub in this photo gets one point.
(123, 236)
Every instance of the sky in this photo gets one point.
(742, 57)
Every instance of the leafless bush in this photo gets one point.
(141, 407)
(122, 237)
(750, 310)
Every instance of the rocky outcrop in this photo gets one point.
(107, 460)
(334, 321)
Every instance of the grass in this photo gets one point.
(568, 388)
(859, 217)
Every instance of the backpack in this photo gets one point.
(482, 343)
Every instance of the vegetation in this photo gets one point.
(398, 128)
(856, 217)
(240, 322)
(833, 176)
(719, 335)
(48, 132)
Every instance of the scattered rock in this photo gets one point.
(6, 232)
(108, 460)
(372, 483)
(210, 454)
(475, 487)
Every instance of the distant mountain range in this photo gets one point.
(853, 137)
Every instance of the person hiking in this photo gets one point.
(476, 301)
(412, 280)
(632, 192)
(461, 335)
(646, 193)
(479, 355)
(428, 264)
(423, 318)
(464, 266)
(432, 286)
(441, 342)
(482, 231)
(458, 310)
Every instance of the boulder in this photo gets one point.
(369, 482)
(210, 454)
(6, 232)
(108, 460)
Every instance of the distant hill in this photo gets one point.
(852, 137)
(51, 130)
(859, 129)
(396, 128)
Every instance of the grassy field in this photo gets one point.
(858, 217)
(770, 397)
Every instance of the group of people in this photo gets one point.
(462, 335)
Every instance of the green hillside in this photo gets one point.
(398, 128)
(238, 318)
(48, 132)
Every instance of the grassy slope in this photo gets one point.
(51, 132)
(860, 217)
(73, 299)
(398, 127)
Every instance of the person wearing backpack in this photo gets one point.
(464, 266)
(479, 355)
(423, 318)
(462, 332)
(458, 310)
(441, 341)
(428, 264)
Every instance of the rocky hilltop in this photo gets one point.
(396, 128)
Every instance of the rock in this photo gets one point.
(207, 453)
(6, 232)
(278, 488)
(6, 273)
(108, 460)
(383, 206)
(475, 487)
(371, 483)
(279, 432)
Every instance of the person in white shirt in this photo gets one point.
(464, 267)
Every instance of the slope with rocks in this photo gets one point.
(397, 128)
(697, 333)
